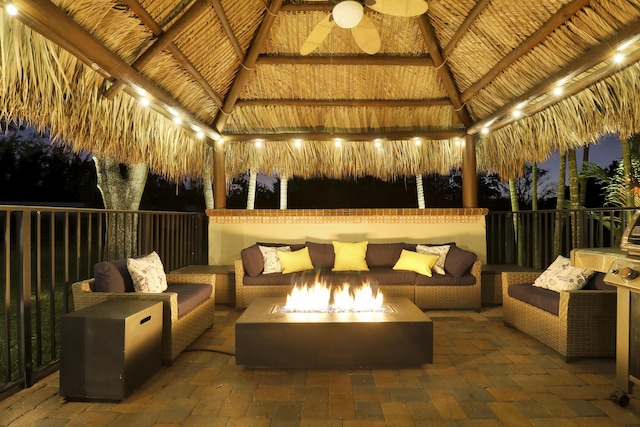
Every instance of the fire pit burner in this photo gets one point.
(266, 338)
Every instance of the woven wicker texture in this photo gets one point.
(177, 333)
(585, 325)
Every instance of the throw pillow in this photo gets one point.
(441, 251)
(147, 273)
(292, 262)
(458, 261)
(252, 260)
(416, 262)
(271, 260)
(112, 276)
(562, 276)
(321, 254)
(383, 254)
(350, 256)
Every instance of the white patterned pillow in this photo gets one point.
(148, 274)
(562, 276)
(441, 251)
(271, 260)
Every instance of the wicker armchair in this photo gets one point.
(177, 333)
(585, 325)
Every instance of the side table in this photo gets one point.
(225, 280)
(109, 349)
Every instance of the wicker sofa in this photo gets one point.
(461, 290)
(585, 323)
(187, 310)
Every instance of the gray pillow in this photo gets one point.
(112, 276)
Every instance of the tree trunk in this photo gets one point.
(284, 184)
(251, 195)
(121, 188)
(517, 226)
(628, 174)
(537, 249)
(420, 191)
(207, 182)
(583, 182)
(574, 198)
(557, 230)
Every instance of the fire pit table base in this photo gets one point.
(265, 338)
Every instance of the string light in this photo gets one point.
(11, 10)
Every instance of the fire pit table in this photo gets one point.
(268, 337)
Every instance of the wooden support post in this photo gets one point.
(469, 173)
(219, 177)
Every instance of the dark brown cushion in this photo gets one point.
(252, 260)
(445, 280)
(544, 299)
(112, 276)
(322, 255)
(596, 282)
(458, 261)
(383, 254)
(190, 295)
(294, 246)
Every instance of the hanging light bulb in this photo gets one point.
(347, 14)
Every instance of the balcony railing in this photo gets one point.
(579, 228)
(47, 249)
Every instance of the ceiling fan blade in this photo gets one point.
(367, 36)
(404, 8)
(317, 36)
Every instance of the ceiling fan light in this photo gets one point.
(347, 14)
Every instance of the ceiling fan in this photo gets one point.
(350, 14)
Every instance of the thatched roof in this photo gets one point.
(233, 67)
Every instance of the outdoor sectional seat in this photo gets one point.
(188, 302)
(459, 288)
(575, 323)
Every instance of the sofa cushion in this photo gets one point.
(148, 274)
(445, 280)
(278, 279)
(383, 254)
(596, 282)
(350, 256)
(271, 259)
(293, 246)
(252, 260)
(418, 263)
(295, 261)
(190, 295)
(375, 276)
(562, 276)
(459, 261)
(112, 276)
(544, 299)
(321, 254)
(441, 251)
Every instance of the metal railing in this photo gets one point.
(574, 228)
(45, 250)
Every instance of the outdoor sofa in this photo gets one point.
(457, 288)
(188, 302)
(576, 323)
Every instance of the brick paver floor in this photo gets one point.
(484, 374)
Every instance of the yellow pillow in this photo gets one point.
(414, 261)
(350, 256)
(292, 262)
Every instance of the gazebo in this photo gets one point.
(219, 88)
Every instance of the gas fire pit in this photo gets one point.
(399, 335)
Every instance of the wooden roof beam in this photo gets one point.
(47, 19)
(222, 16)
(558, 19)
(374, 103)
(443, 70)
(462, 30)
(146, 19)
(597, 54)
(196, 9)
(400, 135)
(404, 61)
(249, 62)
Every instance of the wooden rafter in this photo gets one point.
(405, 61)
(350, 136)
(222, 16)
(389, 103)
(597, 54)
(558, 19)
(196, 9)
(47, 19)
(146, 19)
(443, 70)
(464, 27)
(247, 66)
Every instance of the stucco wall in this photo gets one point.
(232, 230)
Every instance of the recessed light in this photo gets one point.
(11, 10)
(557, 91)
(618, 58)
(177, 120)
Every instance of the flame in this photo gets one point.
(318, 298)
